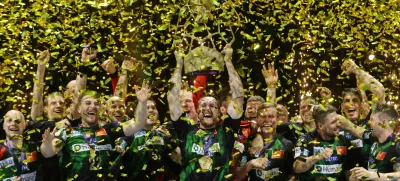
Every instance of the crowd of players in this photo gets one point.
(76, 135)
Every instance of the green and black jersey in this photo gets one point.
(146, 158)
(19, 163)
(280, 161)
(215, 144)
(311, 144)
(383, 157)
(87, 152)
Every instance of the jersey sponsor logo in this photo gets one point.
(278, 154)
(76, 133)
(198, 149)
(101, 132)
(372, 170)
(297, 152)
(31, 157)
(357, 143)
(24, 177)
(9, 162)
(86, 147)
(243, 161)
(381, 155)
(239, 146)
(332, 159)
(155, 141)
(318, 150)
(327, 169)
(397, 167)
(140, 147)
(341, 150)
(305, 152)
(140, 134)
(266, 175)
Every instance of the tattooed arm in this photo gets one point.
(373, 84)
(37, 103)
(174, 93)
(235, 107)
(122, 86)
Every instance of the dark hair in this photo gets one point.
(351, 91)
(46, 99)
(386, 112)
(321, 112)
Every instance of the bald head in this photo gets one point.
(14, 124)
(116, 109)
(283, 114)
(71, 87)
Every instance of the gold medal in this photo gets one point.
(205, 163)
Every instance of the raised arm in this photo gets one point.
(271, 78)
(81, 79)
(235, 107)
(38, 86)
(373, 84)
(122, 86)
(365, 107)
(173, 94)
(142, 95)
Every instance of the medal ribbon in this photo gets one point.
(20, 164)
(208, 140)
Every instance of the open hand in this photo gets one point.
(143, 94)
(49, 136)
(270, 75)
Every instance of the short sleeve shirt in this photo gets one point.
(383, 157)
(311, 144)
(280, 165)
(220, 141)
(87, 152)
(12, 166)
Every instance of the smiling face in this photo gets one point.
(90, 109)
(186, 100)
(282, 113)
(305, 111)
(14, 124)
(55, 107)
(152, 113)
(268, 121)
(330, 127)
(351, 107)
(116, 109)
(208, 112)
